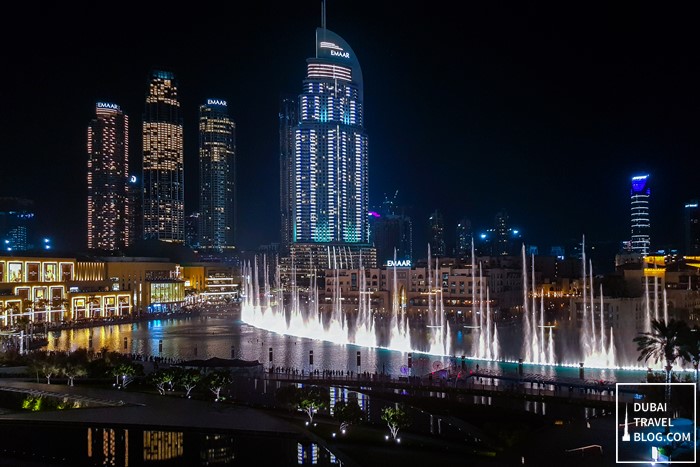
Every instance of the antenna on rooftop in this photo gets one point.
(323, 14)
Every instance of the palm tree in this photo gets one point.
(692, 347)
(665, 341)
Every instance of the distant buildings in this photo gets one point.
(217, 177)
(436, 229)
(163, 161)
(108, 207)
(17, 217)
(288, 121)
(691, 228)
(391, 233)
(640, 193)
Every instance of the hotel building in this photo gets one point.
(329, 203)
(108, 207)
(163, 161)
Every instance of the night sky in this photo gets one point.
(543, 110)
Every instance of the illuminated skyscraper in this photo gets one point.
(217, 176)
(108, 207)
(163, 161)
(464, 238)
(288, 120)
(330, 155)
(436, 228)
(691, 228)
(640, 223)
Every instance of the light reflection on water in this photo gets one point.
(225, 336)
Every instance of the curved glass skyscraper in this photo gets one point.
(639, 210)
(329, 170)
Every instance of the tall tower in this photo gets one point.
(640, 223)
(217, 177)
(330, 156)
(437, 234)
(108, 207)
(464, 238)
(691, 228)
(163, 161)
(288, 121)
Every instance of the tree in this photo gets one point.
(188, 379)
(161, 378)
(347, 413)
(126, 371)
(396, 418)
(216, 380)
(74, 365)
(691, 346)
(46, 364)
(312, 399)
(665, 341)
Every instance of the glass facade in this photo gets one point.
(329, 170)
(163, 161)
(108, 207)
(640, 223)
(217, 177)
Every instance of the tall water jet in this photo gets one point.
(527, 334)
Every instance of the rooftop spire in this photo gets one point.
(323, 14)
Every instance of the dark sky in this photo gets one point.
(544, 110)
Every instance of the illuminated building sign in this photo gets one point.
(401, 263)
(336, 50)
(107, 105)
(215, 102)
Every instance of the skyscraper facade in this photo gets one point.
(163, 161)
(330, 152)
(691, 228)
(217, 177)
(463, 243)
(436, 227)
(108, 207)
(640, 193)
(288, 120)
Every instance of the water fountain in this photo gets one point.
(346, 320)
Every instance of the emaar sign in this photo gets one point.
(401, 263)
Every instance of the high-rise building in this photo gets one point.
(502, 234)
(217, 177)
(108, 209)
(17, 224)
(436, 240)
(640, 193)
(691, 228)
(463, 245)
(330, 155)
(392, 236)
(288, 121)
(135, 209)
(163, 161)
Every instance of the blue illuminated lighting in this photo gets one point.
(483, 236)
(374, 214)
(516, 232)
(46, 240)
(639, 184)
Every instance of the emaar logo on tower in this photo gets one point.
(335, 50)
(656, 422)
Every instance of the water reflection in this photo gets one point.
(126, 446)
(225, 336)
